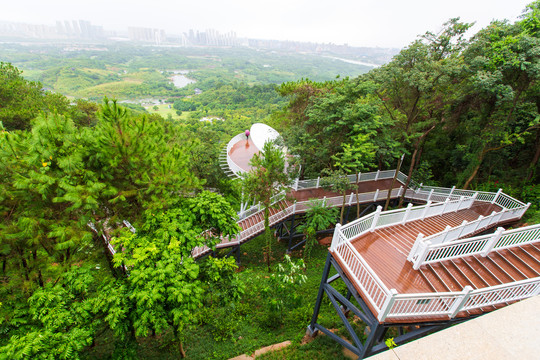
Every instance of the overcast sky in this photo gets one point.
(383, 23)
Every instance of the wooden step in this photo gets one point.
(464, 279)
(449, 280)
(433, 279)
(502, 272)
(492, 277)
(516, 263)
(532, 256)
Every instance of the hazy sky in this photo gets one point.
(384, 23)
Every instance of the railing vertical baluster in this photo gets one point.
(430, 194)
(376, 195)
(318, 180)
(377, 175)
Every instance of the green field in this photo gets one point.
(164, 110)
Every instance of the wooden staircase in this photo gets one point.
(499, 267)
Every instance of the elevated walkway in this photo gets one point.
(424, 268)
(372, 187)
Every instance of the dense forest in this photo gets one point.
(464, 111)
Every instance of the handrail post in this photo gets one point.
(414, 248)
(463, 225)
(473, 200)
(423, 250)
(407, 212)
(335, 238)
(445, 205)
(496, 196)
(430, 194)
(460, 302)
(492, 241)
(296, 184)
(459, 203)
(318, 180)
(324, 201)
(376, 218)
(419, 187)
(376, 195)
(388, 304)
(445, 231)
(377, 175)
(451, 192)
(400, 191)
(479, 221)
(294, 207)
(359, 175)
(522, 212)
(426, 209)
(351, 198)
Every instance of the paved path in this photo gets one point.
(512, 332)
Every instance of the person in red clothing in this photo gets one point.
(247, 138)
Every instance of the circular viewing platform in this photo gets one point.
(242, 148)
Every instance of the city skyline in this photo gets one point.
(371, 24)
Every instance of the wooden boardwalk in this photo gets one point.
(253, 225)
(386, 249)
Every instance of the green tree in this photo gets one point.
(164, 286)
(356, 157)
(266, 179)
(319, 216)
(23, 100)
(418, 85)
(337, 181)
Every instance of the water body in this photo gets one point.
(353, 61)
(180, 79)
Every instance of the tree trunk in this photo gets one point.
(471, 178)
(343, 207)
(181, 348)
(417, 147)
(357, 197)
(534, 161)
(409, 177)
(268, 235)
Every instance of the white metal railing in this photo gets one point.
(503, 293)
(481, 245)
(451, 303)
(379, 219)
(422, 251)
(364, 276)
(258, 207)
(369, 176)
(436, 193)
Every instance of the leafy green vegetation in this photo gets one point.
(464, 111)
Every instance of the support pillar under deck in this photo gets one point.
(374, 343)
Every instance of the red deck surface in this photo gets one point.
(242, 152)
